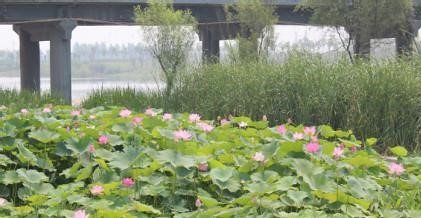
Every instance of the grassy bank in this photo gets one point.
(379, 100)
(16, 100)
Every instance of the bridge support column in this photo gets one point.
(210, 37)
(60, 60)
(59, 33)
(29, 62)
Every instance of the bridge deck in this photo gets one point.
(195, 2)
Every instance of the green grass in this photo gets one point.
(374, 100)
(16, 100)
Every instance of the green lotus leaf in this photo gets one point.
(31, 176)
(184, 172)
(175, 158)
(102, 204)
(85, 173)
(115, 140)
(361, 159)
(297, 197)
(371, 141)
(37, 200)
(10, 177)
(208, 201)
(44, 136)
(289, 147)
(8, 130)
(260, 187)
(25, 155)
(122, 128)
(40, 188)
(265, 176)
(4, 160)
(222, 174)
(124, 160)
(399, 151)
(305, 168)
(145, 208)
(343, 198)
(285, 183)
(78, 145)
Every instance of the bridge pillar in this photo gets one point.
(59, 33)
(60, 60)
(210, 37)
(29, 62)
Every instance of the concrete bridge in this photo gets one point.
(54, 21)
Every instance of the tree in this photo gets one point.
(364, 20)
(170, 34)
(256, 20)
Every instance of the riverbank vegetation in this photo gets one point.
(374, 100)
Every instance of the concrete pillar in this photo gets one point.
(29, 62)
(59, 33)
(60, 60)
(60, 68)
(210, 36)
(210, 47)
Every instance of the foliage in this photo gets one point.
(58, 164)
(169, 35)
(16, 100)
(364, 20)
(374, 100)
(256, 20)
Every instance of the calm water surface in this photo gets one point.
(82, 86)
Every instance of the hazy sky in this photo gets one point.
(130, 34)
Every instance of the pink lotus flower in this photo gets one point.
(193, 118)
(125, 113)
(182, 135)
(224, 121)
(259, 157)
(282, 129)
(24, 111)
(203, 167)
(354, 149)
(167, 117)
(242, 124)
(338, 152)
(46, 110)
(91, 148)
(396, 169)
(206, 127)
(265, 118)
(198, 203)
(103, 140)
(97, 190)
(314, 139)
(127, 182)
(137, 120)
(312, 147)
(150, 112)
(2, 202)
(80, 214)
(92, 117)
(75, 113)
(297, 136)
(310, 130)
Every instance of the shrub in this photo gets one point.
(72, 162)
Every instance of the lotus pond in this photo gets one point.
(60, 161)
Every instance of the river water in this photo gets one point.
(82, 86)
